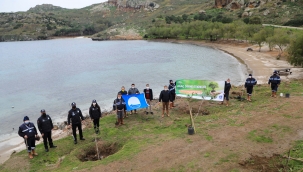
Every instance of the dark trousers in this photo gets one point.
(30, 143)
(47, 136)
(74, 127)
(96, 123)
(249, 90)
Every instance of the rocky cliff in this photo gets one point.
(44, 8)
(136, 4)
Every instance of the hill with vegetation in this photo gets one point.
(47, 21)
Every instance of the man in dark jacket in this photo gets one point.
(149, 97)
(29, 132)
(133, 90)
(45, 126)
(75, 116)
(165, 97)
(95, 114)
(274, 81)
(227, 88)
(124, 92)
(172, 91)
(118, 106)
(249, 85)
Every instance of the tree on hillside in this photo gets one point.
(279, 38)
(295, 50)
(260, 38)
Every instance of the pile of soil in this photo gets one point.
(105, 150)
(268, 164)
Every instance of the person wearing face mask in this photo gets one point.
(29, 132)
(124, 92)
(95, 114)
(75, 116)
(133, 90)
(249, 85)
(165, 97)
(118, 106)
(274, 81)
(45, 126)
(149, 97)
(227, 88)
(172, 91)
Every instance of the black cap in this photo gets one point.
(170, 80)
(42, 110)
(73, 104)
(94, 101)
(26, 118)
(119, 93)
(250, 75)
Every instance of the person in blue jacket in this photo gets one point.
(29, 132)
(249, 85)
(274, 81)
(118, 107)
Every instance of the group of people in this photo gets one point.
(167, 96)
(274, 81)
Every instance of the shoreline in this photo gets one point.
(261, 64)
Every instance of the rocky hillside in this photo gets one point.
(47, 21)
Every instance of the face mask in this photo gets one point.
(147, 87)
(165, 89)
(133, 87)
(94, 104)
(44, 114)
(119, 97)
(250, 76)
(26, 122)
(122, 89)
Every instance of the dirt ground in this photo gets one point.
(228, 150)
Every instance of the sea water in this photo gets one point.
(52, 74)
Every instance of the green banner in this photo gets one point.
(201, 89)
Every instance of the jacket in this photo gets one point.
(172, 89)
(250, 82)
(123, 92)
(165, 96)
(95, 112)
(75, 115)
(133, 91)
(151, 96)
(45, 124)
(274, 80)
(227, 87)
(119, 104)
(29, 130)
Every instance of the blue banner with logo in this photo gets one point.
(135, 101)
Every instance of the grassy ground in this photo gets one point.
(255, 126)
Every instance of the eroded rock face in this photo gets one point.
(222, 3)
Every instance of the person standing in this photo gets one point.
(95, 115)
(124, 92)
(165, 97)
(227, 88)
(45, 126)
(29, 132)
(149, 97)
(75, 116)
(172, 91)
(118, 106)
(249, 85)
(274, 81)
(133, 90)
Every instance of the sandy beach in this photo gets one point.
(260, 64)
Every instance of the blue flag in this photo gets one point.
(135, 101)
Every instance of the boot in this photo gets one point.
(227, 103)
(249, 98)
(162, 113)
(121, 121)
(275, 94)
(34, 153)
(30, 155)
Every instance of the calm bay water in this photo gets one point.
(52, 74)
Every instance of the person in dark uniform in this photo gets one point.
(75, 116)
(45, 126)
(227, 88)
(29, 132)
(118, 106)
(133, 90)
(124, 92)
(148, 92)
(172, 91)
(165, 97)
(95, 114)
(274, 81)
(249, 85)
